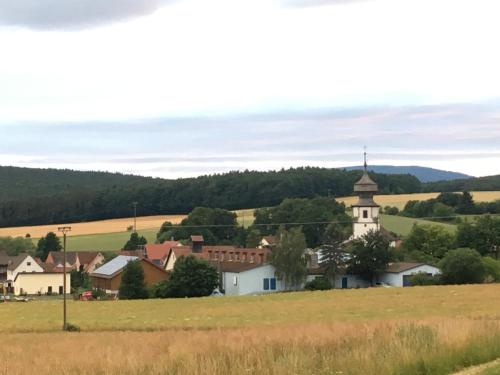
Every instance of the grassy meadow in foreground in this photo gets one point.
(420, 330)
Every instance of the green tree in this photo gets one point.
(466, 204)
(443, 212)
(462, 266)
(15, 246)
(191, 277)
(370, 256)
(288, 257)
(483, 235)
(253, 238)
(47, 244)
(80, 279)
(332, 251)
(214, 224)
(427, 243)
(132, 285)
(135, 242)
(296, 211)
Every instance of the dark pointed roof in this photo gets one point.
(365, 184)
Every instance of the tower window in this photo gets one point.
(365, 214)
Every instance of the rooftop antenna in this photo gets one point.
(365, 165)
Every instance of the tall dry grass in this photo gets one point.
(384, 347)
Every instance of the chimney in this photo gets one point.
(197, 243)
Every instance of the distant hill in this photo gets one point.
(424, 174)
(48, 196)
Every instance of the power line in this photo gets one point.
(429, 218)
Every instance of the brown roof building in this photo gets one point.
(108, 277)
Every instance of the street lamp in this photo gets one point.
(64, 230)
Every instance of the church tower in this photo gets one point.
(365, 211)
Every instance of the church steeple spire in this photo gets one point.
(365, 165)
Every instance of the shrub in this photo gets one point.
(98, 293)
(492, 269)
(422, 279)
(319, 283)
(72, 328)
(462, 266)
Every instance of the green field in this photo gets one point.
(105, 241)
(354, 305)
(402, 225)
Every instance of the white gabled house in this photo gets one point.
(238, 279)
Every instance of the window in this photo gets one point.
(273, 283)
(266, 284)
(61, 289)
(28, 263)
(235, 280)
(365, 214)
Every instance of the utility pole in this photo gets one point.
(135, 216)
(64, 230)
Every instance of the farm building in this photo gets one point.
(41, 283)
(108, 276)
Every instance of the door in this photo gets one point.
(344, 283)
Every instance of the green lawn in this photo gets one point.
(402, 225)
(106, 241)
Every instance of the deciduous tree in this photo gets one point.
(288, 257)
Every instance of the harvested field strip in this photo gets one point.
(409, 348)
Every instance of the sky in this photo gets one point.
(180, 88)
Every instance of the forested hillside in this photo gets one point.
(31, 197)
(489, 183)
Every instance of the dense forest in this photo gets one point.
(35, 196)
(488, 183)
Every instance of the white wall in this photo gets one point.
(27, 265)
(32, 283)
(250, 282)
(396, 279)
(353, 281)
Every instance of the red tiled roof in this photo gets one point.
(160, 251)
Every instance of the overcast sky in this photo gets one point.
(177, 88)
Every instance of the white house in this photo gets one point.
(238, 278)
(400, 274)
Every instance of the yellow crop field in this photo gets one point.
(399, 200)
(419, 330)
(93, 227)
